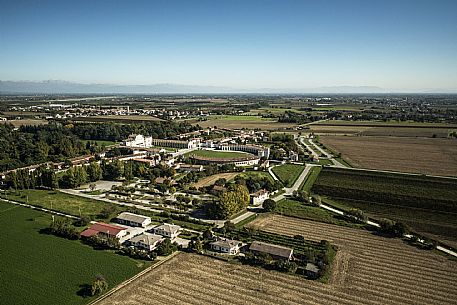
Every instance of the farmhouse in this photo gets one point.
(189, 167)
(145, 241)
(275, 251)
(312, 271)
(133, 220)
(259, 197)
(168, 230)
(225, 245)
(104, 230)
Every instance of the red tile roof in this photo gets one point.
(101, 227)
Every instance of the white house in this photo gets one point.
(133, 220)
(168, 230)
(259, 197)
(146, 241)
(224, 245)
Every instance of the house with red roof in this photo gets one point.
(104, 229)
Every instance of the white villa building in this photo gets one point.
(224, 245)
(259, 197)
(168, 230)
(146, 241)
(133, 220)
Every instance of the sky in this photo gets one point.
(408, 45)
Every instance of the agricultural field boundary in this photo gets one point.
(130, 280)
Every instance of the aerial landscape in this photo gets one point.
(235, 152)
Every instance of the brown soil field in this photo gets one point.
(416, 155)
(211, 179)
(408, 132)
(381, 131)
(237, 124)
(18, 123)
(376, 269)
(349, 130)
(368, 269)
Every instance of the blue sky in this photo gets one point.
(402, 45)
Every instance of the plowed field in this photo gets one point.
(367, 270)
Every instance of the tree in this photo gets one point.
(99, 285)
(198, 245)
(357, 215)
(269, 205)
(230, 202)
(94, 172)
(166, 247)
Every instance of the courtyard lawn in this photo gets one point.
(58, 201)
(100, 142)
(256, 175)
(288, 173)
(44, 269)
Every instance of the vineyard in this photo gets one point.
(427, 204)
(375, 269)
(423, 192)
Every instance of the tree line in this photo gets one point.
(56, 142)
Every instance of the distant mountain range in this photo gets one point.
(62, 87)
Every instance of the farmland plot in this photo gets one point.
(415, 155)
(378, 270)
(194, 279)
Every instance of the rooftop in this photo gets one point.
(132, 217)
(146, 238)
(271, 249)
(101, 227)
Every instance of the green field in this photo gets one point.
(256, 175)
(311, 178)
(43, 269)
(100, 142)
(58, 201)
(217, 154)
(298, 209)
(288, 173)
(427, 204)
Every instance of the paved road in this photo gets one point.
(328, 155)
(303, 142)
(296, 185)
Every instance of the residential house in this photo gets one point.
(224, 245)
(133, 220)
(104, 230)
(145, 241)
(275, 251)
(259, 197)
(312, 271)
(168, 230)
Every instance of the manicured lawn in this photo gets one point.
(100, 142)
(59, 201)
(256, 174)
(217, 154)
(43, 269)
(288, 173)
(297, 209)
(311, 178)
